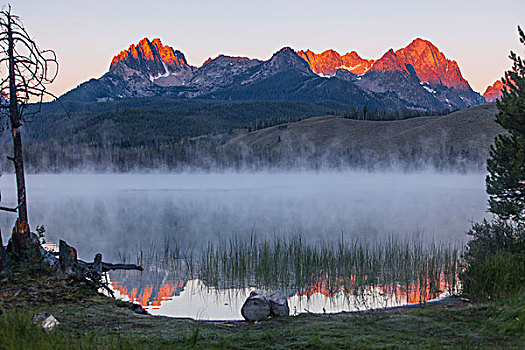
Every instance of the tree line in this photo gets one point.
(214, 153)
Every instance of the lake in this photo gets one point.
(124, 215)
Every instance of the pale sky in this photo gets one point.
(86, 34)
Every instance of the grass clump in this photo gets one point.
(18, 332)
(512, 316)
(495, 261)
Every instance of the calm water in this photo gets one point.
(124, 214)
(193, 299)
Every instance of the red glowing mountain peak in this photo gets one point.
(429, 64)
(495, 91)
(388, 62)
(151, 57)
(329, 61)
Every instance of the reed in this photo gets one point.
(408, 265)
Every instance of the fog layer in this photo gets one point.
(124, 213)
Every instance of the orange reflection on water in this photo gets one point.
(415, 292)
(150, 295)
(166, 291)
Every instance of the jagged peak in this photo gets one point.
(429, 63)
(330, 52)
(329, 61)
(495, 91)
(157, 42)
(288, 54)
(421, 43)
(285, 50)
(284, 59)
(389, 61)
(150, 50)
(353, 54)
(390, 52)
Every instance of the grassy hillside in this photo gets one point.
(464, 135)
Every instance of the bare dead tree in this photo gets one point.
(25, 70)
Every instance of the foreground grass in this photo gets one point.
(90, 321)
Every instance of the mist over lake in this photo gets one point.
(114, 214)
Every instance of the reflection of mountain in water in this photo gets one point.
(415, 292)
(147, 289)
(157, 286)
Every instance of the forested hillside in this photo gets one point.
(147, 121)
(180, 134)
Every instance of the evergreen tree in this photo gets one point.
(506, 165)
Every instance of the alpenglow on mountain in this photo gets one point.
(418, 76)
(495, 91)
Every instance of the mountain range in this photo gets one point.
(417, 76)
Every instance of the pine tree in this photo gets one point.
(506, 165)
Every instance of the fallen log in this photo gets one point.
(109, 266)
(67, 256)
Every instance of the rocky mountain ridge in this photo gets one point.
(429, 64)
(329, 61)
(494, 91)
(418, 76)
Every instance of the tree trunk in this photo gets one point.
(20, 239)
(20, 177)
(23, 238)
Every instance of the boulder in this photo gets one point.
(278, 304)
(46, 321)
(262, 304)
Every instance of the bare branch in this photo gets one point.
(34, 68)
(12, 210)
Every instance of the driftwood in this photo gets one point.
(108, 266)
(69, 262)
(90, 271)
